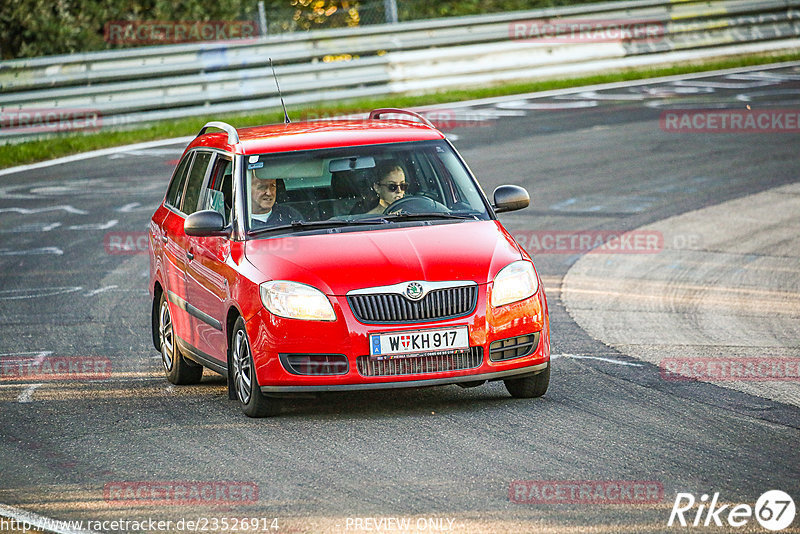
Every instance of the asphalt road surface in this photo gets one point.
(607, 449)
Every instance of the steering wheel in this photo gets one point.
(415, 204)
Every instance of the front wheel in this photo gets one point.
(178, 369)
(529, 387)
(252, 401)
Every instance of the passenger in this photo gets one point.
(263, 210)
(389, 186)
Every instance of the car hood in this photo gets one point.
(339, 262)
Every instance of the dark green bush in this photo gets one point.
(47, 27)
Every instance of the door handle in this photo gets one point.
(164, 238)
(190, 256)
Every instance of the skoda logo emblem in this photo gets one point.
(414, 291)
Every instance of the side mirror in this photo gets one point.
(510, 198)
(205, 223)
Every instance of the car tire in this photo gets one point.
(245, 382)
(529, 387)
(178, 369)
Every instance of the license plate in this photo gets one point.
(414, 342)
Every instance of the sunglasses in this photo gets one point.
(394, 187)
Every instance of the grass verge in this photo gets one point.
(38, 150)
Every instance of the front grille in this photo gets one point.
(513, 347)
(315, 364)
(367, 366)
(394, 308)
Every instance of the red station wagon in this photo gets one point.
(341, 255)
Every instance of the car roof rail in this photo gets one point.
(233, 135)
(376, 114)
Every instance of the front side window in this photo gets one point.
(357, 185)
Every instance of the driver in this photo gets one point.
(390, 186)
(263, 208)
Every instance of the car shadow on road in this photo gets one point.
(395, 402)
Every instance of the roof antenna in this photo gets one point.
(285, 115)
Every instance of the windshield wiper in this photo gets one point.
(415, 216)
(303, 225)
(382, 219)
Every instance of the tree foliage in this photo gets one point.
(310, 14)
(30, 28)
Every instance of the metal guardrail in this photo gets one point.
(167, 82)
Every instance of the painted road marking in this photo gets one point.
(598, 358)
(594, 95)
(95, 226)
(33, 251)
(38, 355)
(32, 293)
(101, 290)
(765, 74)
(32, 227)
(148, 152)
(47, 227)
(27, 211)
(726, 85)
(550, 106)
(41, 522)
(27, 395)
(132, 207)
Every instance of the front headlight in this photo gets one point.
(296, 301)
(516, 281)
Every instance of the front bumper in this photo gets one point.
(499, 375)
(272, 336)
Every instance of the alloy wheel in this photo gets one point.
(242, 370)
(166, 337)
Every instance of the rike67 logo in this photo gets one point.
(774, 510)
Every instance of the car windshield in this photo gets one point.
(357, 186)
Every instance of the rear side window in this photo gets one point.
(175, 190)
(218, 193)
(195, 182)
